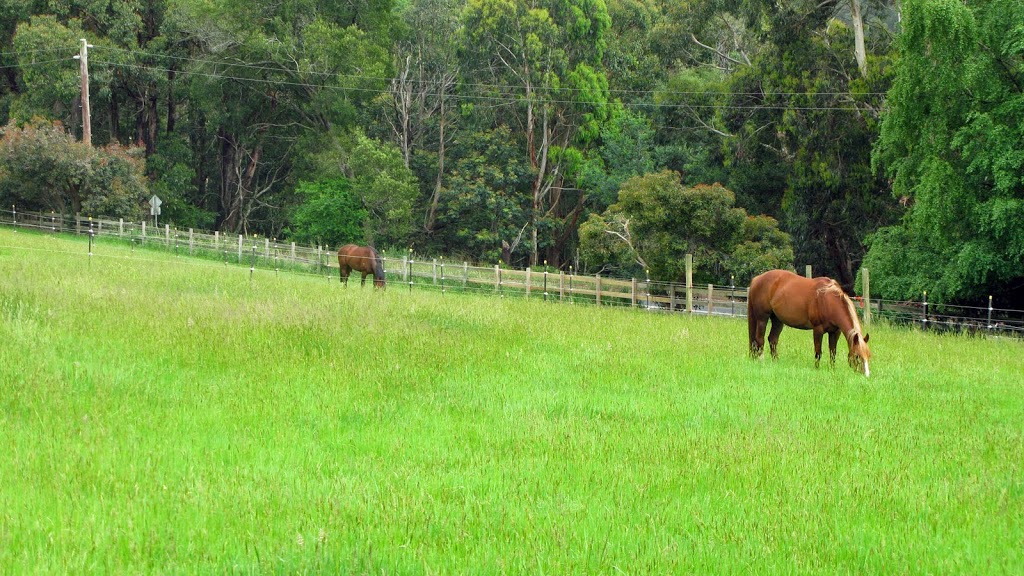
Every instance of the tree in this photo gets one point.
(657, 221)
(330, 214)
(43, 168)
(952, 141)
(542, 61)
(384, 188)
(763, 247)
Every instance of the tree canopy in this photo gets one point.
(953, 143)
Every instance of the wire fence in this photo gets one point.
(409, 271)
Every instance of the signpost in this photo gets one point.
(154, 208)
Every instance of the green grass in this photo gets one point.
(163, 414)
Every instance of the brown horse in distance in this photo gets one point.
(817, 304)
(361, 259)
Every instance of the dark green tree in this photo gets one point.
(329, 215)
(952, 141)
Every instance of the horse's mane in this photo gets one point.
(378, 263)
(832, 287)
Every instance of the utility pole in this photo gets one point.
(83, 62)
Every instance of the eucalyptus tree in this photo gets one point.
(421, 108)
(273, 80)
(540, 62)
(779, 85)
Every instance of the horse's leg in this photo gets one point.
(363, 281)
(818, 333)
(344, 275)
(756, 326)
(833, 339)
(773, 336)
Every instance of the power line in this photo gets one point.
(481, 97)
(39, 63)
(262, 67)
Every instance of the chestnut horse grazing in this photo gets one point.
(817, 304)
(361, 259)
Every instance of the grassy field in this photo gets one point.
(161, 414)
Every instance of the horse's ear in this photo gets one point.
(856, 339)
(866, 338)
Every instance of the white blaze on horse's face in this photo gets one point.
(867, 369)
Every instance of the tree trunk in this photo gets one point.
(858, 37)
(432, 212)
(538, 186)
(172, 104)
(227, 213)
(115, 118)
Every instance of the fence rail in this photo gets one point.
(446, 276)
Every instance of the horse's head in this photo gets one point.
(860, 354)
(380, 279)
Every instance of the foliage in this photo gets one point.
(952, 141)
(329, 215)
(763, 247)
(657, 221)
(44, 168)
(173, 179)
(51, 85)
(485, 200)
(384, 187)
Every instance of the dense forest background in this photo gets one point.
(605, 135)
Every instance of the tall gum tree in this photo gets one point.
(540, 60)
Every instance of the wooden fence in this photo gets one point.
(540, 284)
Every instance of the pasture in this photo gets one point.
(162, 414)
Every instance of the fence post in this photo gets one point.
(266, 247)
(807, 271)
(14, 218)
(120, 226)
(143, 231)
(191, 241)
(990, 312)
(545, 280)
(497, 278)
(561, 285)
(597, 288)
(632, 292)
(647, 288)
(689, 283)
(672, 297)
(571, 299)
(732, 293)
(239, 248)
(434, 271)
(866, 278)
(711, 298)
(924, 320)
(465, 274)
(527, 281)
(167, 234)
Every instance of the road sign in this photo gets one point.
(154, 205)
